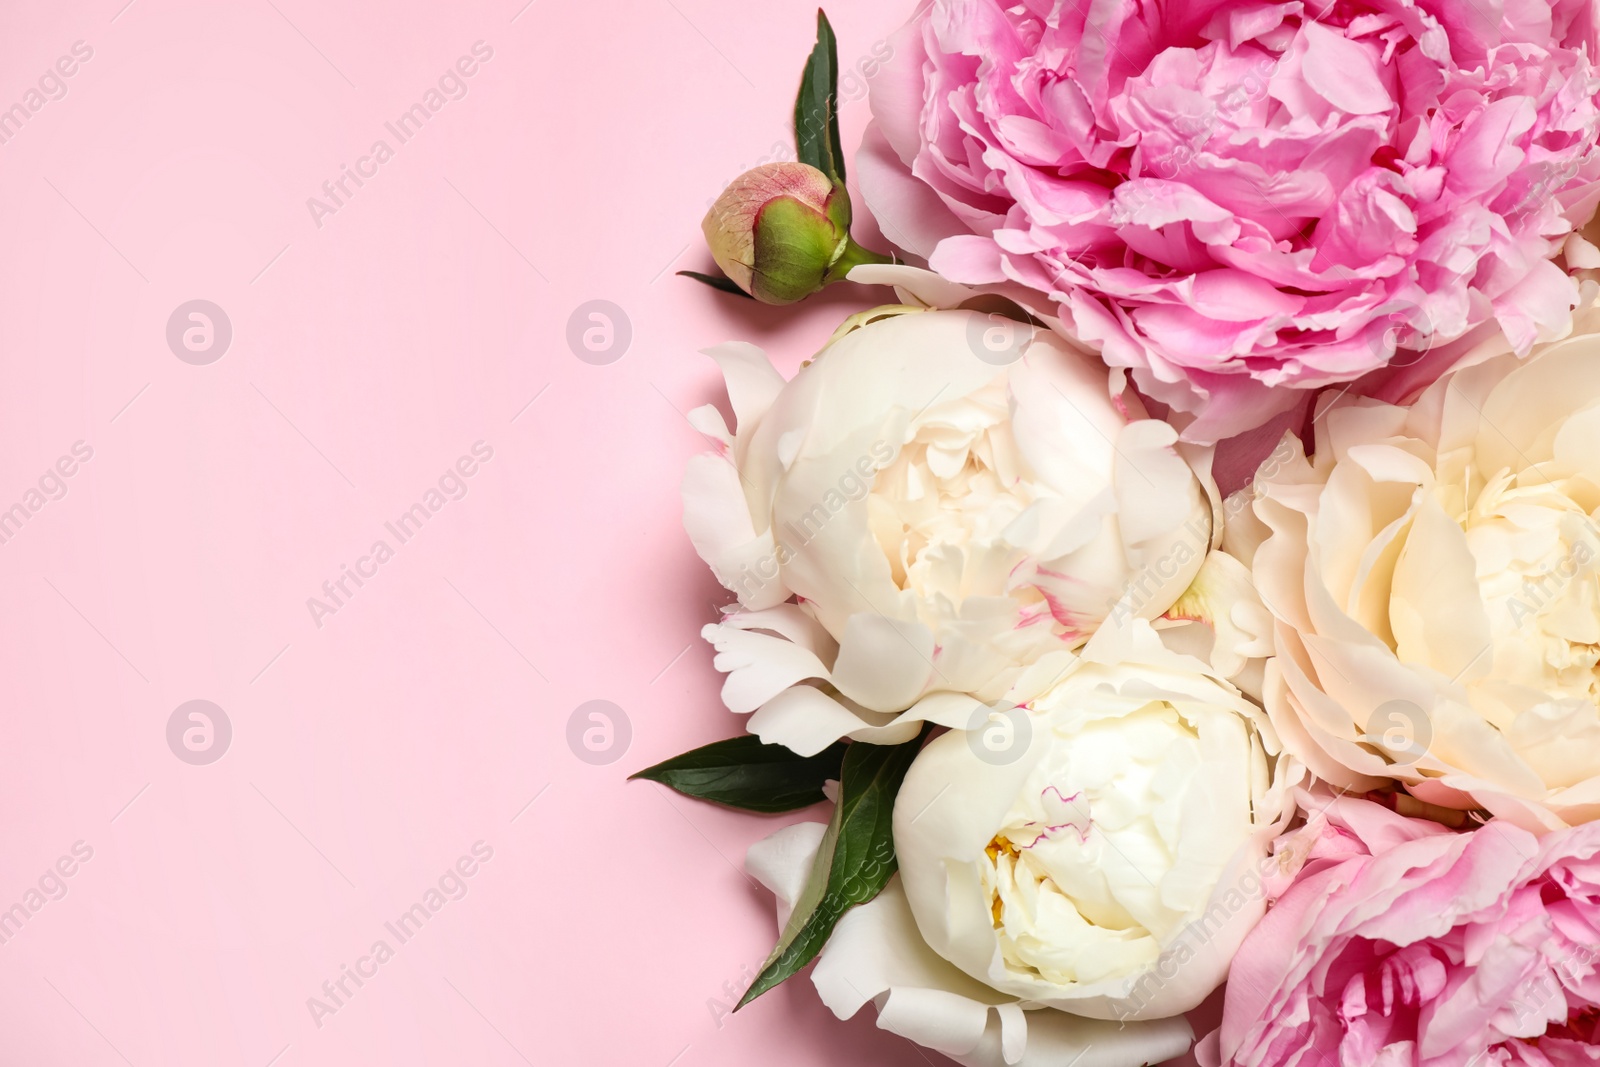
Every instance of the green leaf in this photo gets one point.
(717, 281)
(854, 862)
(816, 108)
(744, 773)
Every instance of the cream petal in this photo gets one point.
(1062, 422)
(803, 719)
(1462, 738)
(1317, 730)
(717, 519)
(1576, 447)
(753, 382)
(807, 720)
(1558, 739)
(898, 732)
(1435, 611)
(914, 285)
(1522, 414)
(759, 666)
(1466, 791)
(981, 654)
(884, 664)
(1426, 568)
(790, 621)
(1361, 512)
(1156, 489)
(877, 949)
(947, 810)
(1055, 1038)
(1579, 253)
(954, 710)
(1280, 567)
(1326, 619)
(1223, 598)
(1097, 726)
(709, 421)
(877, 954)
(782, 861)
(948, 519)
(945, 1022)
(1579, 804)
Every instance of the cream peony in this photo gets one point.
(876, 954)
(1089, 881)
(1098, 851)
(939, 499)
(1432, 577)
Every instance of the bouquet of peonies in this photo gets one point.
(1191, 581)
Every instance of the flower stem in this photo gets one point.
(852, 256)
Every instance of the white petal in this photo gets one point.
(1056, 1039)
(1064, 425)
(791, 621)
(753, 382)
(759, 666)
(877, 954)
(933, 1018)
(1435, 609)
(708, 420)
(1156, 490)
(884, 664)
(782, 861)
(804, 719)
(1223, 598)
(717, 519)
(1579, 253)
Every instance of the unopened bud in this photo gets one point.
(782, 231)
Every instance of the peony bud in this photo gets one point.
(782, 231)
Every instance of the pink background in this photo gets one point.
(371, 348)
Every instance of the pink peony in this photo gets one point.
(1401, 943)
(1241, 200)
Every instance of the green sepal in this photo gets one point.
(795, 246)
(716, 281)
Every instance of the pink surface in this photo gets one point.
(421, 719)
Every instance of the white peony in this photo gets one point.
(935, 502)
(1080, 884)
(1432, 577)
(1067, 867)
(877, 955)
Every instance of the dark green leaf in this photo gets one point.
(816, 108)
(853, 864)
(717, 281)
(744, 773)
